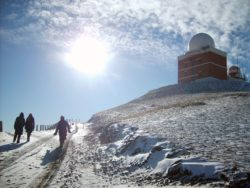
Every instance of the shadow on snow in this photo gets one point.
(51, 156)
(9, 147)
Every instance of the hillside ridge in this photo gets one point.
(205, 85)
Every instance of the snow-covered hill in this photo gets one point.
(193, 133)
(176, 136)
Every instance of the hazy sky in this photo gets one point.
(75, 58)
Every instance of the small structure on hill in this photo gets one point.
(202, 60)
(234, 72)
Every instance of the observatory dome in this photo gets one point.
(201, 40)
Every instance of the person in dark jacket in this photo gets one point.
(29, 126)
(18, 126)
(62, 127)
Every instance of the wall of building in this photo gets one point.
(205, 64)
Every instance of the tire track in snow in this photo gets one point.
(10, 161)
(34, 165)
(44, 179)
(27, 164)
(76, 169)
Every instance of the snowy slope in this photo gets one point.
(207, 126)
(169, 137)
(41, 163)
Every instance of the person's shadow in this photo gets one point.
(9, 147)
(52, 156)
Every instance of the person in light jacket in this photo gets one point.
(62, 127)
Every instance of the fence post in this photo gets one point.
(1, 126)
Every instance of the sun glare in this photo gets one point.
(88, 55)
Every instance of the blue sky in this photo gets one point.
(144, 39)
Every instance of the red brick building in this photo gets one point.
(202, 60)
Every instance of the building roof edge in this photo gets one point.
(210, 49)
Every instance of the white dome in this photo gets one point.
(200, 41)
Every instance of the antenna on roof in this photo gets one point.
(237, 62)
(237, 44)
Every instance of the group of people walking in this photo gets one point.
(29, 124)
(20, 123)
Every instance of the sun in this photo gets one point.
(88, 55)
